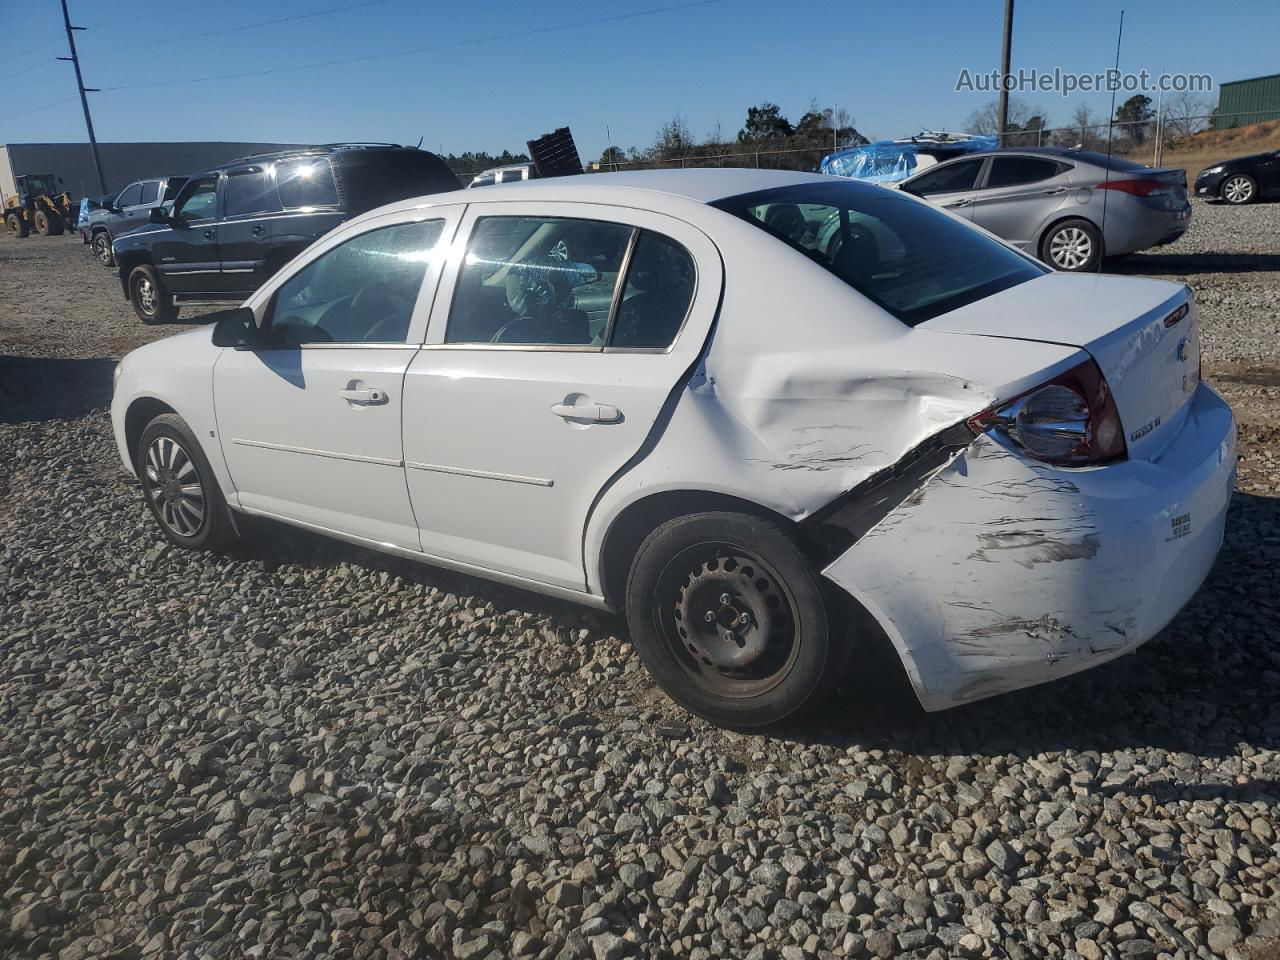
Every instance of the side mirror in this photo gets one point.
(158, 215)
(235, 328)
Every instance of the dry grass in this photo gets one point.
(1205, 149)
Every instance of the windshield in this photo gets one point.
(914, 261)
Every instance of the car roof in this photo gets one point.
(702, 186)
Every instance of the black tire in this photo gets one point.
(47, 224)
(102, 248)
(169, 463)
(155, 306)
(1238, 189)
(1072, 246)
(18, 226)
(764, 655)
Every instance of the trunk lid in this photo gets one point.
(1144, 341)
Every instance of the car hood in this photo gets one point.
(1250, 159)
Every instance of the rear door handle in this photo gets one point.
(364, 396)
(587, 412)
(1055, 191)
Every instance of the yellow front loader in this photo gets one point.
(39, 206)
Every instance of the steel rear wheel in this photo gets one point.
(731, 619)
(179, 487)
(1238, 189)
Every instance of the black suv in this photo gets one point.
(232, 227)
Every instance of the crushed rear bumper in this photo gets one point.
(1000, 572)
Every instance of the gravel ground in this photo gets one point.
(306, 750)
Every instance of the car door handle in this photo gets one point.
(259, 230)
(208, 234)
(587, 412)
(364, 396)
(1055, 191)
(958, 203)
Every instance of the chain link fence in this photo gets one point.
(1129, 137)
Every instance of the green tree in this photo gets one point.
(612, 155)
(765, 122)
(1136, 115)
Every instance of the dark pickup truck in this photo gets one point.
(232, 227)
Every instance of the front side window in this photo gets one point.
(249, 190)
(909, 258)
(361, 291)
(961, 175)
(306, 182)
(538, 280)
(1013, 171)
(130, 196)
(199, 201)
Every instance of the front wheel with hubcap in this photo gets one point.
(1073, 246)
(179, 486)
(731, 619)
(151, 302)
(1238, 189)
(102, 248)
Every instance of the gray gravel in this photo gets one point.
(306, 750)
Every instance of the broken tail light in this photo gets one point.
(1069, 421)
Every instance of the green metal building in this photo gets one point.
(1243, 102)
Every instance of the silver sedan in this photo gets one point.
(1070, 208)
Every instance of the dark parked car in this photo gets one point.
(232, 227)
(1242, 180)
(127, 210)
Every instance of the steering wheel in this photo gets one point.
(521, 330)
(374, 300)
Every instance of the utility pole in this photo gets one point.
(1004, 69)
(84, 101)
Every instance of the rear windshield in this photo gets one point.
(1102, 160)
(912, 260)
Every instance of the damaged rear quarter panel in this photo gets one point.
(792, 410)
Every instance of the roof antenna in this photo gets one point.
(1111, 125)
(419, 146)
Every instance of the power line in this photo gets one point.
(43, 106)
(37, 66)
(427, 49)
(246, 26)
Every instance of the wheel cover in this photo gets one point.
(727, 620)
(1070, 248)
(1238, 189)
(147, 295)
(102, 245)
(174, 487)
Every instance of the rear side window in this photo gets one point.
(175, 184)
(249, 190)
(656, 296)
(1012, 171)
(548, 281)
(306, 182)
(130, 196)
(150, 190)
(909, 258)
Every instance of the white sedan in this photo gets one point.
(776, 418)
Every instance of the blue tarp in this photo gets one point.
(888, 161)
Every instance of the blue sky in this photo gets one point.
(893, 66)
